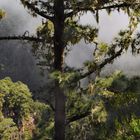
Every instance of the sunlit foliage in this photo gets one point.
(18, 112)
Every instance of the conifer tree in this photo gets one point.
(60, 29)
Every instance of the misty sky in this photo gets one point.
(23, 20)
(109, 26)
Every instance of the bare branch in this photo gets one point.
(28, 38)
(77, 117)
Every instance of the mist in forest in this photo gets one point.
(17, 61)
(109, 27)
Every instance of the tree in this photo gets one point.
(19, 113)
(115, 111)
(61, 29)
(15, 110)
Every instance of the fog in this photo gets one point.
(15, 58)
(109, 27)
(18, 62)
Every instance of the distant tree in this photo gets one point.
(19, 113)
(15, 109)
(60, 29)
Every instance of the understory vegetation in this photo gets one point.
(110, 106)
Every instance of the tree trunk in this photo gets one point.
(59, 113)
(58, 65)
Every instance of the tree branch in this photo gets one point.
(37, 11)
(77, 117)
(100, 66)
(50, 104)
(121, 5)
(78, 9)
(106, 61)
(28, 38)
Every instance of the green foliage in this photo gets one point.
(114, 115)
(63, 78)
(44, 121)
(16, 99)
(110, 101)
(15, 110)
(101, 51)
(7, 129)
(2, 13)
(18, 112)
(135, 126)
(107, 82)
(128, 129)
(74, 32)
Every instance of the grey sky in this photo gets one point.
(14, 9)
(109, 26)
